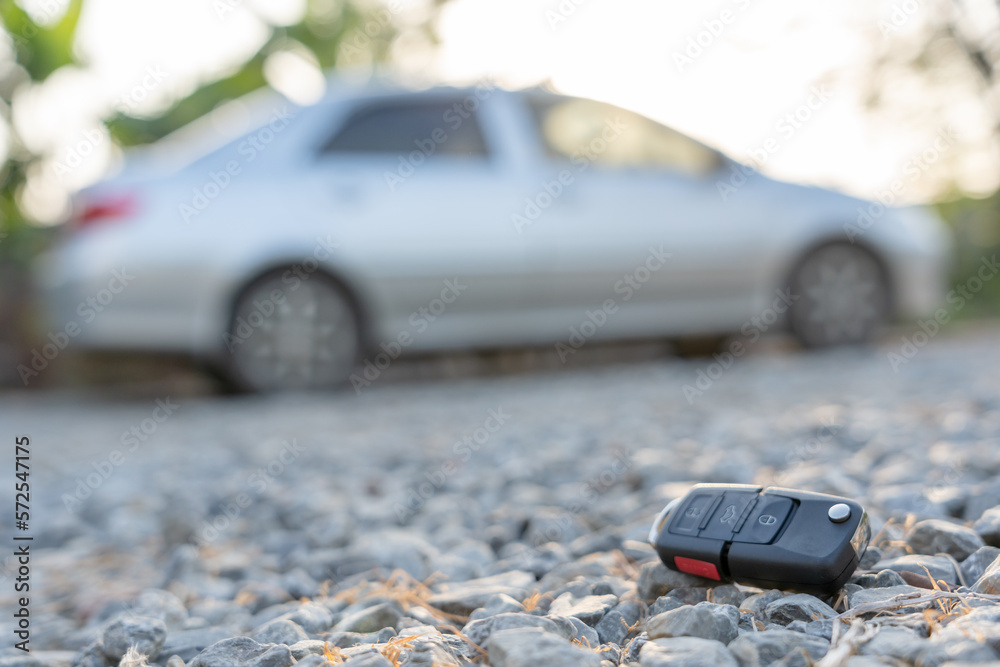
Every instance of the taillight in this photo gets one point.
(104, 209)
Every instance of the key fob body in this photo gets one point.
(769, 538)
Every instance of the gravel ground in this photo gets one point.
(502, 520)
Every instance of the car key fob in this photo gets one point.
(769, 538)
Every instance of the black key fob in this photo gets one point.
(769, 538)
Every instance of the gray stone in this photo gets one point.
(590, 609)
(553, 524)
(145, 633)
(763, 648)
(872, 556)
(882, 579)
(243, 652)
(465, 597)
(731, 594)
(655, 579)
(686, 652)
(706, 620)
(532, 647)
(690, 594)
(163, 605)
(940, 567)
(480, 631)
(313, 661)
(307, 647)
(970, 651)
(313, 617)
(632, 651)
(281, 631)
(989, 583)
(975, 565)
(988, 526)
(370, 658)
(498, 604)
(662, 604)
(582, 632)
(934, 536)
(370, 619)
(349, 639)
(614, 627)
(864, 596)
(189, 643)
(756, 604)
(798, 607)
(902, 643)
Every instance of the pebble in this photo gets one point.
(988, 526)
(532, 647)
(280, 631)
(590, 609)
(706, 620)
(989, 582)
(655, 580)
(686, 652)
(616, 624)
(145, 633)
(764, 648)
(798, 607)
(940, 567)
(243, 652)
(934, 536)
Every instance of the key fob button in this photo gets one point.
(839, 513)
(765, 520)
(691, 516)
(727, 515)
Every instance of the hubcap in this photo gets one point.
(307, 339)
(843, 297)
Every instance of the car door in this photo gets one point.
(637, 219)
(418, 187)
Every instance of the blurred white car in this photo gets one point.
(328, 240)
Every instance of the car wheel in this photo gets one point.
(306, 338)
(841, 297)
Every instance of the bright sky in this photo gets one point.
(757, 62)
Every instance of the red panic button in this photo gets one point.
(697, 567)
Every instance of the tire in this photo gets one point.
(843, 297)
(307, 339)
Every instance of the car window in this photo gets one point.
(573, 128)
(433, 127)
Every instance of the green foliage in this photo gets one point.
(975, 224)
(41, 50)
